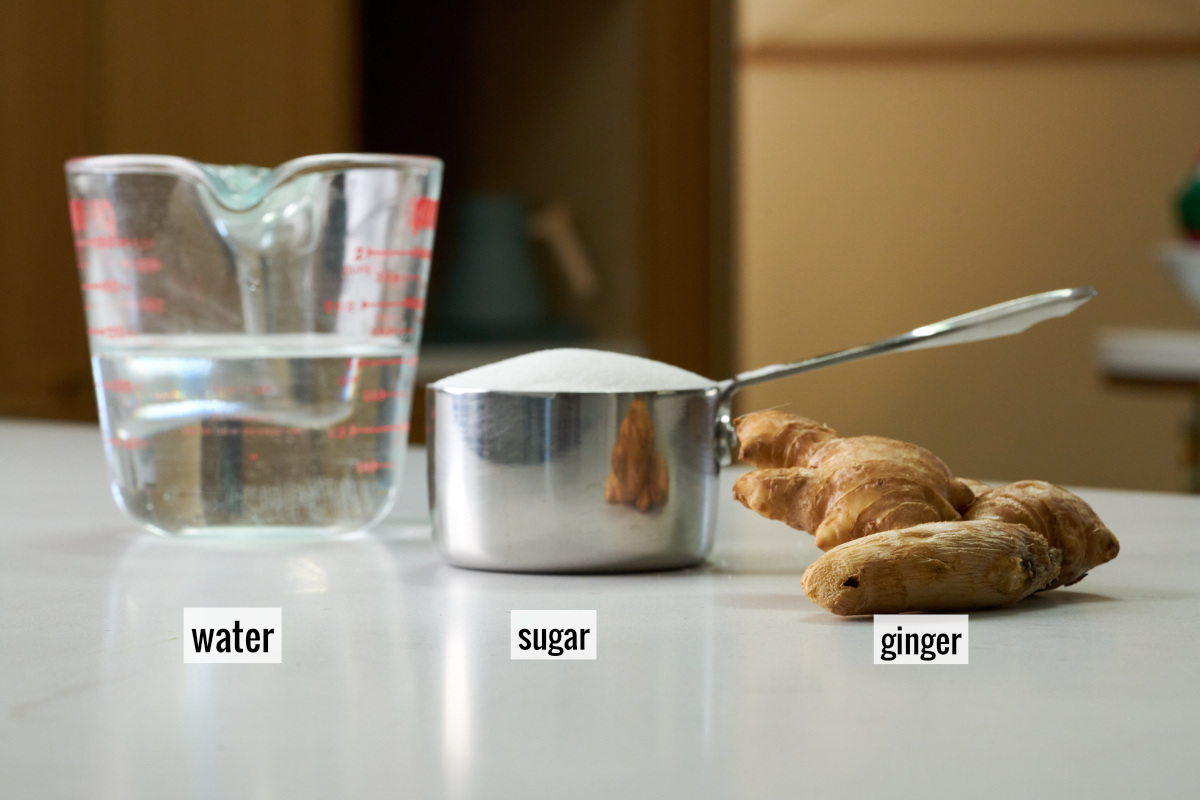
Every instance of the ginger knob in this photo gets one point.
(978, 488)
(901, 532)
(779, 439)
(852, 487)
(1066, 521)
(940, 566)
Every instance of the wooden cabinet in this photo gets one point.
(618, 108)
(118, 76)
(902, 162)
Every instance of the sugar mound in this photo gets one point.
(570, 369)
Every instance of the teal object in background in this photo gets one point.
(495, 290)
(1188, 206)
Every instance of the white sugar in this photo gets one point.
(575, 370)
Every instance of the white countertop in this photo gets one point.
(722, 681)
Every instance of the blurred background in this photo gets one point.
(715, 184)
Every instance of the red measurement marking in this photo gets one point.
(114, 332)
(408, 302)
(346, 431)
(409, 252)
(393, 278)
(111, 287)
(338, 305)
(143, 265)
(122, 386)
(98, 215)
(386, 331)
(78, 211)
(151, 305)
(378, 395)
(406, 361)
(359, 269)
(115, 242)
(254, 456)
(422, 214)
(371, 467)
(129, 444)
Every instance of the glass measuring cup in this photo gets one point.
(254, 334)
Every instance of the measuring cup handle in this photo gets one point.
(725, 438)
(1002, 319)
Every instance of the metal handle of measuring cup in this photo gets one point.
(1002, 319)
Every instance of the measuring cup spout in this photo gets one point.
(243, 187)
(320, 244)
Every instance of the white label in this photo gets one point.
(233, 636)
(561, 635)
(920, 639)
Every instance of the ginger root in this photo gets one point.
(638, 474)
(901, 532)
(978, 488)
(941, 566)
(779, 439)
(1066, 521)
(844, 489)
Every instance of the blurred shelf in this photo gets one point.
(1150, 355)
(1158, 360)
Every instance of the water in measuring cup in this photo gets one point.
(255, 435)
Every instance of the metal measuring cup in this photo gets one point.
(524, 481)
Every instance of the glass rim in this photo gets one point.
(207, 175)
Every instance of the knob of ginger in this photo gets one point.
(901, 533)
(843, 488)
(779, 439)
(1066, 521)
(942, 566)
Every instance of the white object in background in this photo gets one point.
(1182, 262)
(1150, 355)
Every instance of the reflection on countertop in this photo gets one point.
(716, 681)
